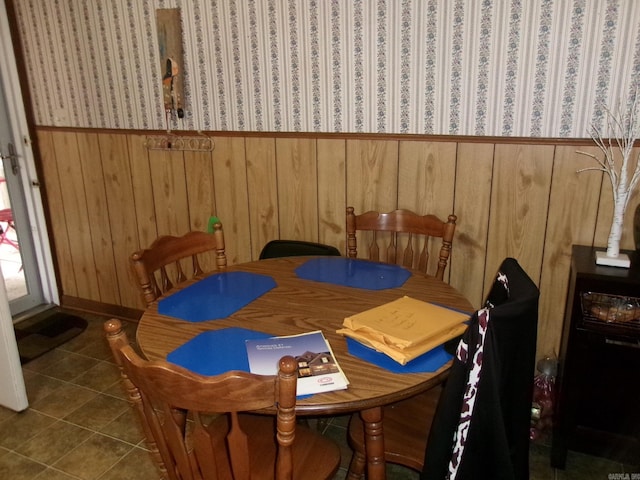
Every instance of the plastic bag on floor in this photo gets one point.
(543, 398)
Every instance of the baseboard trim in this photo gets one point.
(100, 308)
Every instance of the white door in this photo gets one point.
(15, 131)
(17, 251)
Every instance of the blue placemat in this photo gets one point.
(351, 272)
(427, 362)
(216, 296)
(216, 352)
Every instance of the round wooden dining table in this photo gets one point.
(298, 305)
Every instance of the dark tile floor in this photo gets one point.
(79, 425)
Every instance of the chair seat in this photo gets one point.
(408, 419)
(307, 464)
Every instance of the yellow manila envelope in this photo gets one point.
(405, 328)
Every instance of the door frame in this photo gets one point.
(10, 83)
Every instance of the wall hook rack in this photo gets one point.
(185, 143)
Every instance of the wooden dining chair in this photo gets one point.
(196, 428)
(172, 260)
(476, 426)
(402, 237)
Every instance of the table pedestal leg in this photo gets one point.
(374, 443)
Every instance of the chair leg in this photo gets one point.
(356, 467)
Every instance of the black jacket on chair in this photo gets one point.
(481, 426)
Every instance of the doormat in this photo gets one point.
(46, 331)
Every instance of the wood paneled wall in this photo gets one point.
(108, 195)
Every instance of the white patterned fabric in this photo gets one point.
(469, 400)
(475, 372)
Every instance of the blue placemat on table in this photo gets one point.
(216, 351)
(351, 272)
(216, 296)
(427, 362)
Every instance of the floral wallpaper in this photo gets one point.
(541, 68)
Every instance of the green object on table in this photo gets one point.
(212, 221)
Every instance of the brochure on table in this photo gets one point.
(405, 328)
(318, 369)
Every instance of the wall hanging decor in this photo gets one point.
(171, 61)
(185, 143)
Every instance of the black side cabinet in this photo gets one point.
(597, 407)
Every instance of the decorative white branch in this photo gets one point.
(623, 174)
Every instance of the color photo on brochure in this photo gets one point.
(318, 370)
